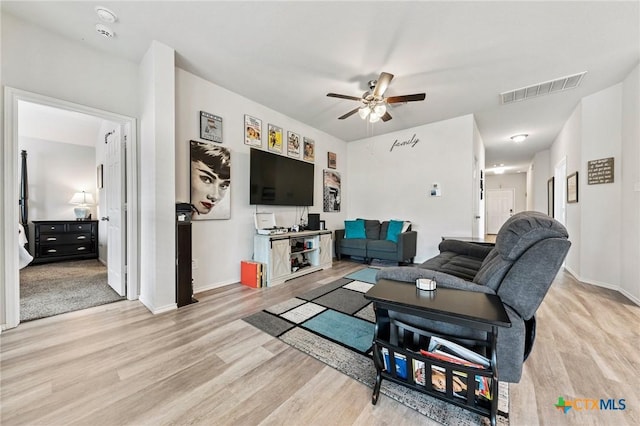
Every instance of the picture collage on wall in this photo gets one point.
(296, 145)
(210, 164)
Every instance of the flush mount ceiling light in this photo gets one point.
(105, 31)
(519, 138)
(106, 15)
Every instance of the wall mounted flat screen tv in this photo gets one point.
(280, 181)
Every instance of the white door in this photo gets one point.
(500, 205)
(115, 190)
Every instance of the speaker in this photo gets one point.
(313, 221)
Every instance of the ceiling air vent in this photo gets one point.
(551, 86)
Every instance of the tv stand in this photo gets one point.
(293, 254)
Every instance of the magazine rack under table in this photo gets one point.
(464, 308)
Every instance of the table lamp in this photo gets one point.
(82, 200)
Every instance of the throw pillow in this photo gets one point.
(405, 226)
(395, 227)
(354, 229)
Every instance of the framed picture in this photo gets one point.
(293, 144)
(309, 149)
(99, 175)
(331, 197)
(275, 138)
(210, 177)
(252, 131)
(550, 196)
(572, 188)
(331, 160)
(210, 127)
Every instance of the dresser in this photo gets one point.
(56, 240)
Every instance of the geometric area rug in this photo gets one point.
(335, 324)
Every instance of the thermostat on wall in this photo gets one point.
(435, 190)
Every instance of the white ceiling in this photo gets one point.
(289, 55)
(57, 125)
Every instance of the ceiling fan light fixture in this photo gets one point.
(519, 138)
(374, 118)
(380, 109)
(364, 112)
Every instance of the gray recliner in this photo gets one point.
(530, 248)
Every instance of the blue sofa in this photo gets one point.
(376, 245)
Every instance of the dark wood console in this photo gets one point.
(57, 240)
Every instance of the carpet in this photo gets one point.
(55, 288)
(335, 324)
(367, 275)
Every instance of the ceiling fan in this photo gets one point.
(375, 104)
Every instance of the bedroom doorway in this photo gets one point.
(122, 159)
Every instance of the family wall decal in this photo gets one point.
(409, 142)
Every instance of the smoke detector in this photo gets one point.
(106, 15)
(105, 31)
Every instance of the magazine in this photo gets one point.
(419, 372)
(400, 361)
(438, 343)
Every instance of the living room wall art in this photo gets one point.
(252, 131)
(210, 127)
(309, 149)
(293, 144)
(275, 138)
(210, 180)
(331, 196)
(572, 188)
(331, 160)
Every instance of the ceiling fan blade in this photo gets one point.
(382, 84)
(386, 116)
(336, 95)
(406, 98)
(349, 114)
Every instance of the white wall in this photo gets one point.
(630, 191)
(388, 184)
(601, 138)
(56, 171)
(517, 181)
(220, 245)
(568, 144)
(538, 175)
(36, 60)
(602, 225)
(157, 178)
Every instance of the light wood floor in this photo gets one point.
(118, 364)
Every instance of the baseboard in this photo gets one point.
(205, 287)
(609, 286)
(629, 296)
(159, 310)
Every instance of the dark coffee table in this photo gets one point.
(463, 308)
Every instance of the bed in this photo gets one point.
(24, 258)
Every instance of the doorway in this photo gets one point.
(128, 177)
(500, 205)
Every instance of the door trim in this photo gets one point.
(10, 217)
